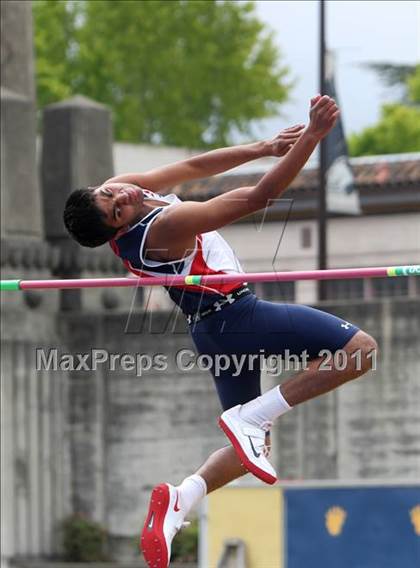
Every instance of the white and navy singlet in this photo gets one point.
(249, 326)
(211, 255)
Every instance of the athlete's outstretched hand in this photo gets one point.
(282, 143)
(323, 115)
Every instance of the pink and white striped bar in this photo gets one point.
(197, 280)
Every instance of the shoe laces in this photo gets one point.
(261, 436)
(266, 425)
(266, 449)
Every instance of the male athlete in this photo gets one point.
(156, 234)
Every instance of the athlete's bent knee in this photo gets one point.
(368, 349)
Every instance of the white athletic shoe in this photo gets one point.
(249, 442)
(164, 519)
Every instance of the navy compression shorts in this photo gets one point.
(251, 326)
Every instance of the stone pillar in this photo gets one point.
(21, 205)
(17, 51)
(76, 152)
(23, 252)
(20, 197)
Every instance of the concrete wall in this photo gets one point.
(97, 441)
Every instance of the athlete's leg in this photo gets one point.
(306, 330)
(275, 328)
(319, 376)
(314, 380)
(230, 334)
(220, 468)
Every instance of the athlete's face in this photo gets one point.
(121, 203)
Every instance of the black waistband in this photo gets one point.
(219, 304)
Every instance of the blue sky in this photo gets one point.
(358, 32)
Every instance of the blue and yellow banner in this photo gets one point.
(316, 527)
(375, 527)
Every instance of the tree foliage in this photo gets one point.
(54, 27)
(413, 83)
(392, 74)
(398, 129)
(173, 71)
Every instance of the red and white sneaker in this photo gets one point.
(249, 441)
(164, 519)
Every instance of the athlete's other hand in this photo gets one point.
(282, 143)
(323, 115)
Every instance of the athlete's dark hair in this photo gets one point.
(85, 221)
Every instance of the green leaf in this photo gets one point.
(173, 71)
(398, 129)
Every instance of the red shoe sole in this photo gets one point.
(252, 468)
(152, 541)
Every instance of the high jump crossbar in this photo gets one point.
(209, 279)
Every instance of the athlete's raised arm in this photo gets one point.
(191, 218)
(211, 163)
